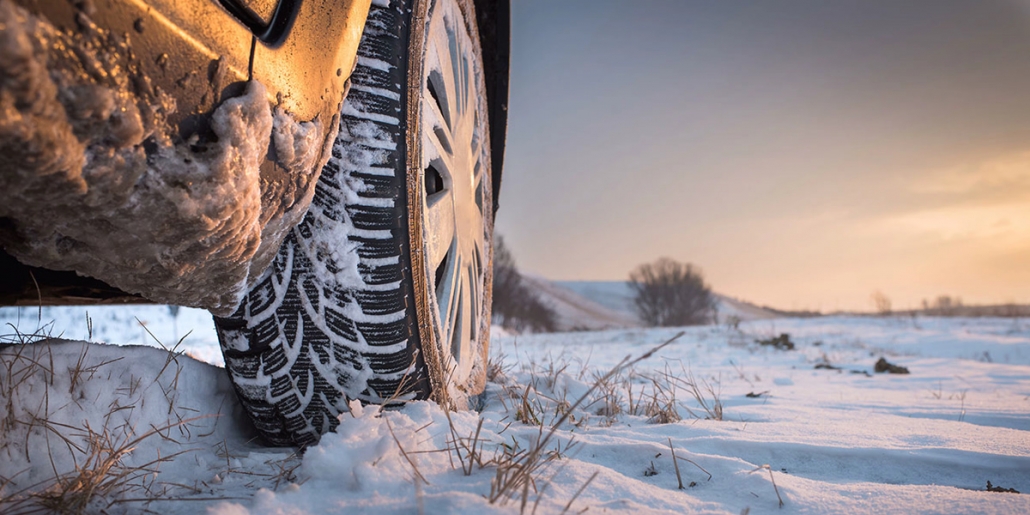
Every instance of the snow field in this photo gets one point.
(843, 440)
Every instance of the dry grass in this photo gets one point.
(469, 451)
(706, 394)
(610, 399)
(89, 472)
(98, 471)
(522, 471)
(518, 470)
(99, 478)
(661, 406)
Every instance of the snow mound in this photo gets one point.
(84, 416)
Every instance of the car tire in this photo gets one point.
(382, 293)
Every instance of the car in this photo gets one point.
(321, 176)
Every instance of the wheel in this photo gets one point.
(382, 292)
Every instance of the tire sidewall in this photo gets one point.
(446, 390)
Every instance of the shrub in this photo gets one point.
(670, 293)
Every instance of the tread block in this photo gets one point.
(384, 274)
(369, 248)
(296, 423)
(339, 296)
(387, 388)
(340, 325)
(268, 426)
(243, 365)
(290, 328)
(378, 186)
(281, 385)
(346, 356)
(374, 78)
(263, 335)
(390, 363)
(377, 302)
(274, 361)
(373, 218)
(371, 103)
(304, 228)
(328, 204)
(261, 296)
(383, 334)
(311, 292)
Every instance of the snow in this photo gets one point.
(841, 440)
(188, 330)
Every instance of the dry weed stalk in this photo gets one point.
(527, 412)
(407, 457)
(496, 369)
(676, 465)
(578, 492)
(688, 460)
(516, 469)
(708, 398)
(771, 478)
(610, 398)
(468, 450)
(661, 408)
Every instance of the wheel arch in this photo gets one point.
(494, 20)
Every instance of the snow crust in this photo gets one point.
(835, 441)
(95, 180)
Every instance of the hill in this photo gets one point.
(597, 305)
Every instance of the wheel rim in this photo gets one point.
(455, 193)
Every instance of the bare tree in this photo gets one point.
(882, 303)
(670, 293)
(515, 305)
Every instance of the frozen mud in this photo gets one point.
(93, 180)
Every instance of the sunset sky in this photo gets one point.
(804, 154)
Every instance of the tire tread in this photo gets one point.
(310, 343)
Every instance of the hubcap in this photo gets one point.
(454, 161)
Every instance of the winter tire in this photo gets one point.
(382, 293)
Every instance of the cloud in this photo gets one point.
(1006, 224)
(1000, 178)
(986, 201)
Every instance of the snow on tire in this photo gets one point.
(348, 309)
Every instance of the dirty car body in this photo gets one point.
(161, 150)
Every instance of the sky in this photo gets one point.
(803, 154)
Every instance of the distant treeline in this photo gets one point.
(990, 310)
(954, 310)
(948, 306)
